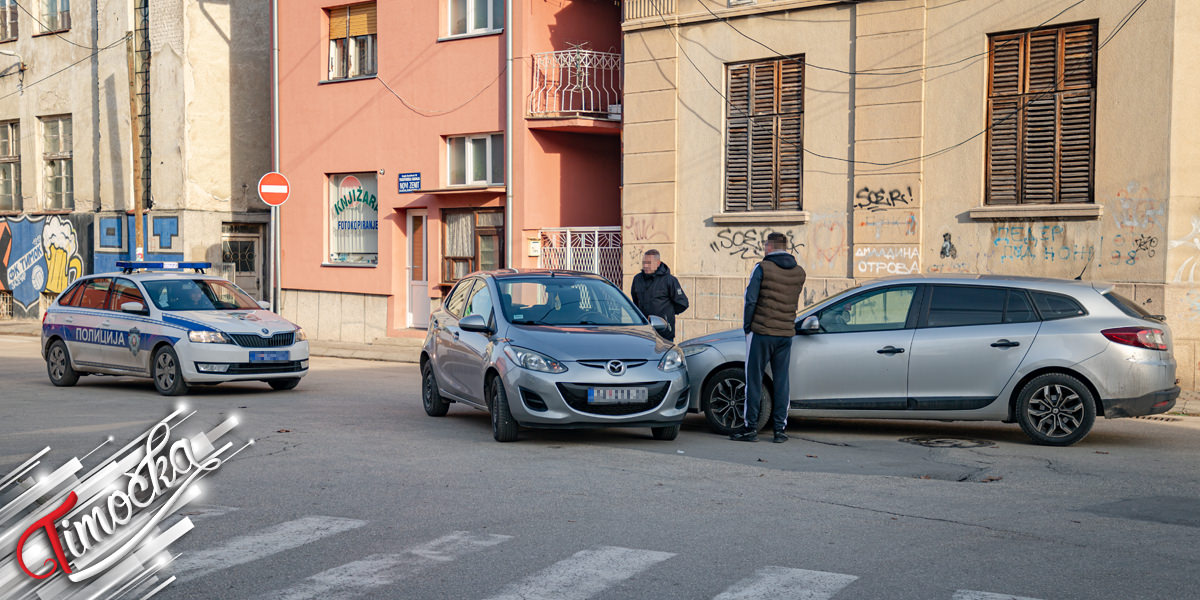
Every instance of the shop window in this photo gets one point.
(353, 219)
(476, 159)
(352, 41)
(1041, 116)
(10, 165)
(472, 240)
(475, 16)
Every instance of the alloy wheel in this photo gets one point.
(58, 362)
(728, 402)
(1056, 410)
(165, 371)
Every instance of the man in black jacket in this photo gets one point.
(656, 291)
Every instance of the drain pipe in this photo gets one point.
(508, 135)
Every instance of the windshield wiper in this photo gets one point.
(529, 322)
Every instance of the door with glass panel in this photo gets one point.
(418, 284)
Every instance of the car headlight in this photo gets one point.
(671, 361)
(534, 361)
(300, 335)
(694, 349)
(208, 337)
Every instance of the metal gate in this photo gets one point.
(591, 249)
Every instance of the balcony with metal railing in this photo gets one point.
(641, 9)
(576, 90)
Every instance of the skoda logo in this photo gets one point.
(615, 367)
(265, 331)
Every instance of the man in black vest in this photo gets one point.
(769, 321)
(656, 291)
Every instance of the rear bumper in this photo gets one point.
(1150, 404)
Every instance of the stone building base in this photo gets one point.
(335, 316)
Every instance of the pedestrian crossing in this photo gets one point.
(591, 572)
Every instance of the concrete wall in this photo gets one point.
(917, 98)
(336, 317)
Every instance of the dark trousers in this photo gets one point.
(761, 349)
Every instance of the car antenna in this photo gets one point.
(1079, 277)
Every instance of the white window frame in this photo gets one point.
(10, 159)
(344, 63)
(493, 144)
(56, 15)
(60, 156)
(495, 17)
(9, 29)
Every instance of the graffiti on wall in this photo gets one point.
(829, 241)
(1187, 269)
(878, 261)
(1029, 242)
(749, 244)
(40, 255)
(883, 199)
(117, 240)
(1136, 210)
(887, 227)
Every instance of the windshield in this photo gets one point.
(198, 294)
(566, 301)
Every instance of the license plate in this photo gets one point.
(629, 395)
(270, 356)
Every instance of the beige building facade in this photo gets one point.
(890, 137)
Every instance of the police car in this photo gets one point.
(179, 328)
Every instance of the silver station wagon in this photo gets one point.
(1047, 354)
(552, 349)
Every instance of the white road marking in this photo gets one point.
(787, 584)
(584, 575)
(973, 595)
(267, 542)
(379, 570)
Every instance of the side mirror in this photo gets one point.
(660, 325)
(263, 304)
(475, 323)
(809, 325)
(134, 307)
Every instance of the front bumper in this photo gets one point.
(1153, 403)
(193, 356)
(550, 401)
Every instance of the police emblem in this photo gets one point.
(135, 341)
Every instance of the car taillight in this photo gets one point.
(1140, 337)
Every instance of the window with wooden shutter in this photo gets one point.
(352, 41)
(1041, 116)
(764, 135)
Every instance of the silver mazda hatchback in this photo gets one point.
(1048, 354)
(552, 349)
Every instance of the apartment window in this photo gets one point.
(352, 41)
(764, 136)
(57, 158)
(472, 240)
(8, 20)
(353, 219)
(10, 166)
(1041, 115)
(476, 16)
(476, 159)
(56, 15)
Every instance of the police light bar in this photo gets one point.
(129, 266)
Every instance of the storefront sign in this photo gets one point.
(409, 182)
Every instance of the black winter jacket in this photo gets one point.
(659, 294)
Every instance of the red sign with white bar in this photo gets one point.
(274, 188)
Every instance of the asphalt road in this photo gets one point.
(351, 491)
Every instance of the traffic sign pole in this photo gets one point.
(274, 189)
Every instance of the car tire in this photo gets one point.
(665, 433)
(58, 365)
(431, 394)
(284, 384)
(1055, 409)
(504, 427)
(720, 398)
(167, 373)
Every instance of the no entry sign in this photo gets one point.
(274, 188)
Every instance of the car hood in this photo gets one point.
(230, 321)
(590, 343)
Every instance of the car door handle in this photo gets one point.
(456, 335)
(1005, 344)
(69, 320)
(890, 350)
(106, 324)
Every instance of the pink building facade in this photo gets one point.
(393, 134)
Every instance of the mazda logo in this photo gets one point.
(615, 367)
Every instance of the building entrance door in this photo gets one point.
(241, 246)
(418, 269)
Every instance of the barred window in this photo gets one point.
(1041, 115)
(764, 136)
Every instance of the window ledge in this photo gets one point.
(55, 32)
(464, 36)
(351, 265)
(764, 216)
(1090, 211)
(344, 79)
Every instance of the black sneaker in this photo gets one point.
(780, 437)
(745, 436)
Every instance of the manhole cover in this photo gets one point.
(942, 442)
